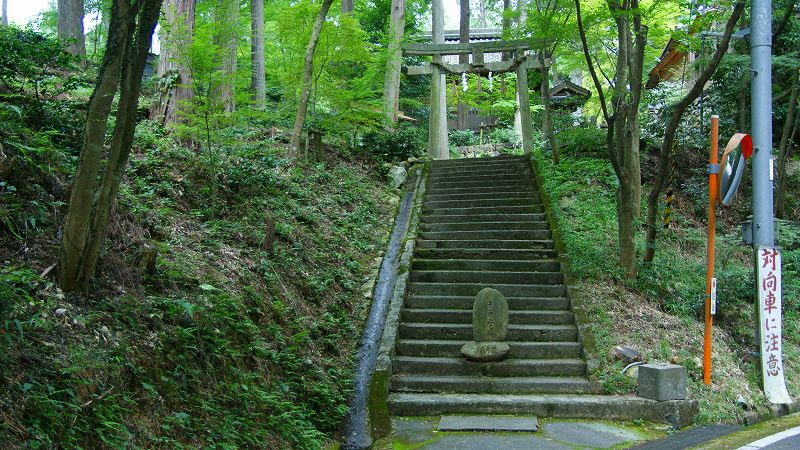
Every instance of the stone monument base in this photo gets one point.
(485, 351)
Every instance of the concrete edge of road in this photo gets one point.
(763, 442)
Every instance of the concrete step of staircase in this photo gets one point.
(508, 184)
(476, 218)
(468, 176)
(486, 226)
(451, 348)
(432, 205)
(484, 253)
(486, 277)
(489, 265)
(506, 368)
(525, 244)
(479, 162)
(472, 289)
(466, 302)
(497, 170)
(459, 384)
(483, 195)
(464, 332)
(607, 407)
(492, 189)
(464, 316)
(478, 210)
(489, 235)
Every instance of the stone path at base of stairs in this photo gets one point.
(421, 433)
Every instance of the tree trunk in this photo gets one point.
(789, 127)
(174, 74)
(70, 26)
(228, 41)
(308, 70)
(258, 83)
(4, 19)
(437, 126)
(482, 12)
(463, 37)
(547, 115)
(130, 34)
(672, 127)
(348, 6)
(394, 60)
(506, 27)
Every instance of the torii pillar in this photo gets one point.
(438, 147)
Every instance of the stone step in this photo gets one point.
(432, 205)
(491, 235)
(477, 218)
(497, 170)
(451, 348)
(484, 253)
(464, 332)
(485, 277)
(462, 316)
(494, 189)
(494, 265)
(515, 175)
(510, 184)
(505, 368)
(477, 161)
(460, 384)
(472, 289)
(607, 407)
(465, 302)
(485, 226)
(477, 210)
(483, 195)
(483, 243)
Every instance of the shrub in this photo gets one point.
(583, 141)
(460, 138)
(406, 141)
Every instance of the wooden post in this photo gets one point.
(437, 134)
(712, 219)
(524, 108)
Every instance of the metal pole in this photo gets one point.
(761, 115)
(713, 174)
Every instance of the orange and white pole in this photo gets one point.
(713, 179)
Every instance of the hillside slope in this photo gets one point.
(226, 310)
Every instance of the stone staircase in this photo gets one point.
(483, 225)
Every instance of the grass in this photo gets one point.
(661, 312)
(228, 343)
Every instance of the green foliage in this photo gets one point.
(583, 141)
(406, 141)
(459, 138)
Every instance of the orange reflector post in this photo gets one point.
(713, 174)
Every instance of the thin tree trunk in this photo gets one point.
(70, 26)
(258, 83)
(348, 6)
(174, 74)
(5, 13)
(506, 27)
(228, 40)
(672, 127)
(89, 208)
(463, 37)
(784, 149)
(482, 12)
(547, 115)
(308, 70)
(391, 81)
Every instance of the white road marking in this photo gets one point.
(761, 443)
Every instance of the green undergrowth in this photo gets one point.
(242, 333)
(661, 312)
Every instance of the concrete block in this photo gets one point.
(662, 382)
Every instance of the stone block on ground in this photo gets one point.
(397, 176)
(662, 382)
(490, 316)
(485, 351)
(625, 354)
(488, 423)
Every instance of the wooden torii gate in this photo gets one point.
(520, 62)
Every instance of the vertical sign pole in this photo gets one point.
(767, 256)
(713, 173)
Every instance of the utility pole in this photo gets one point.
(767, 256)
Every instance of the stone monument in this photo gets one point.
(490, 326)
